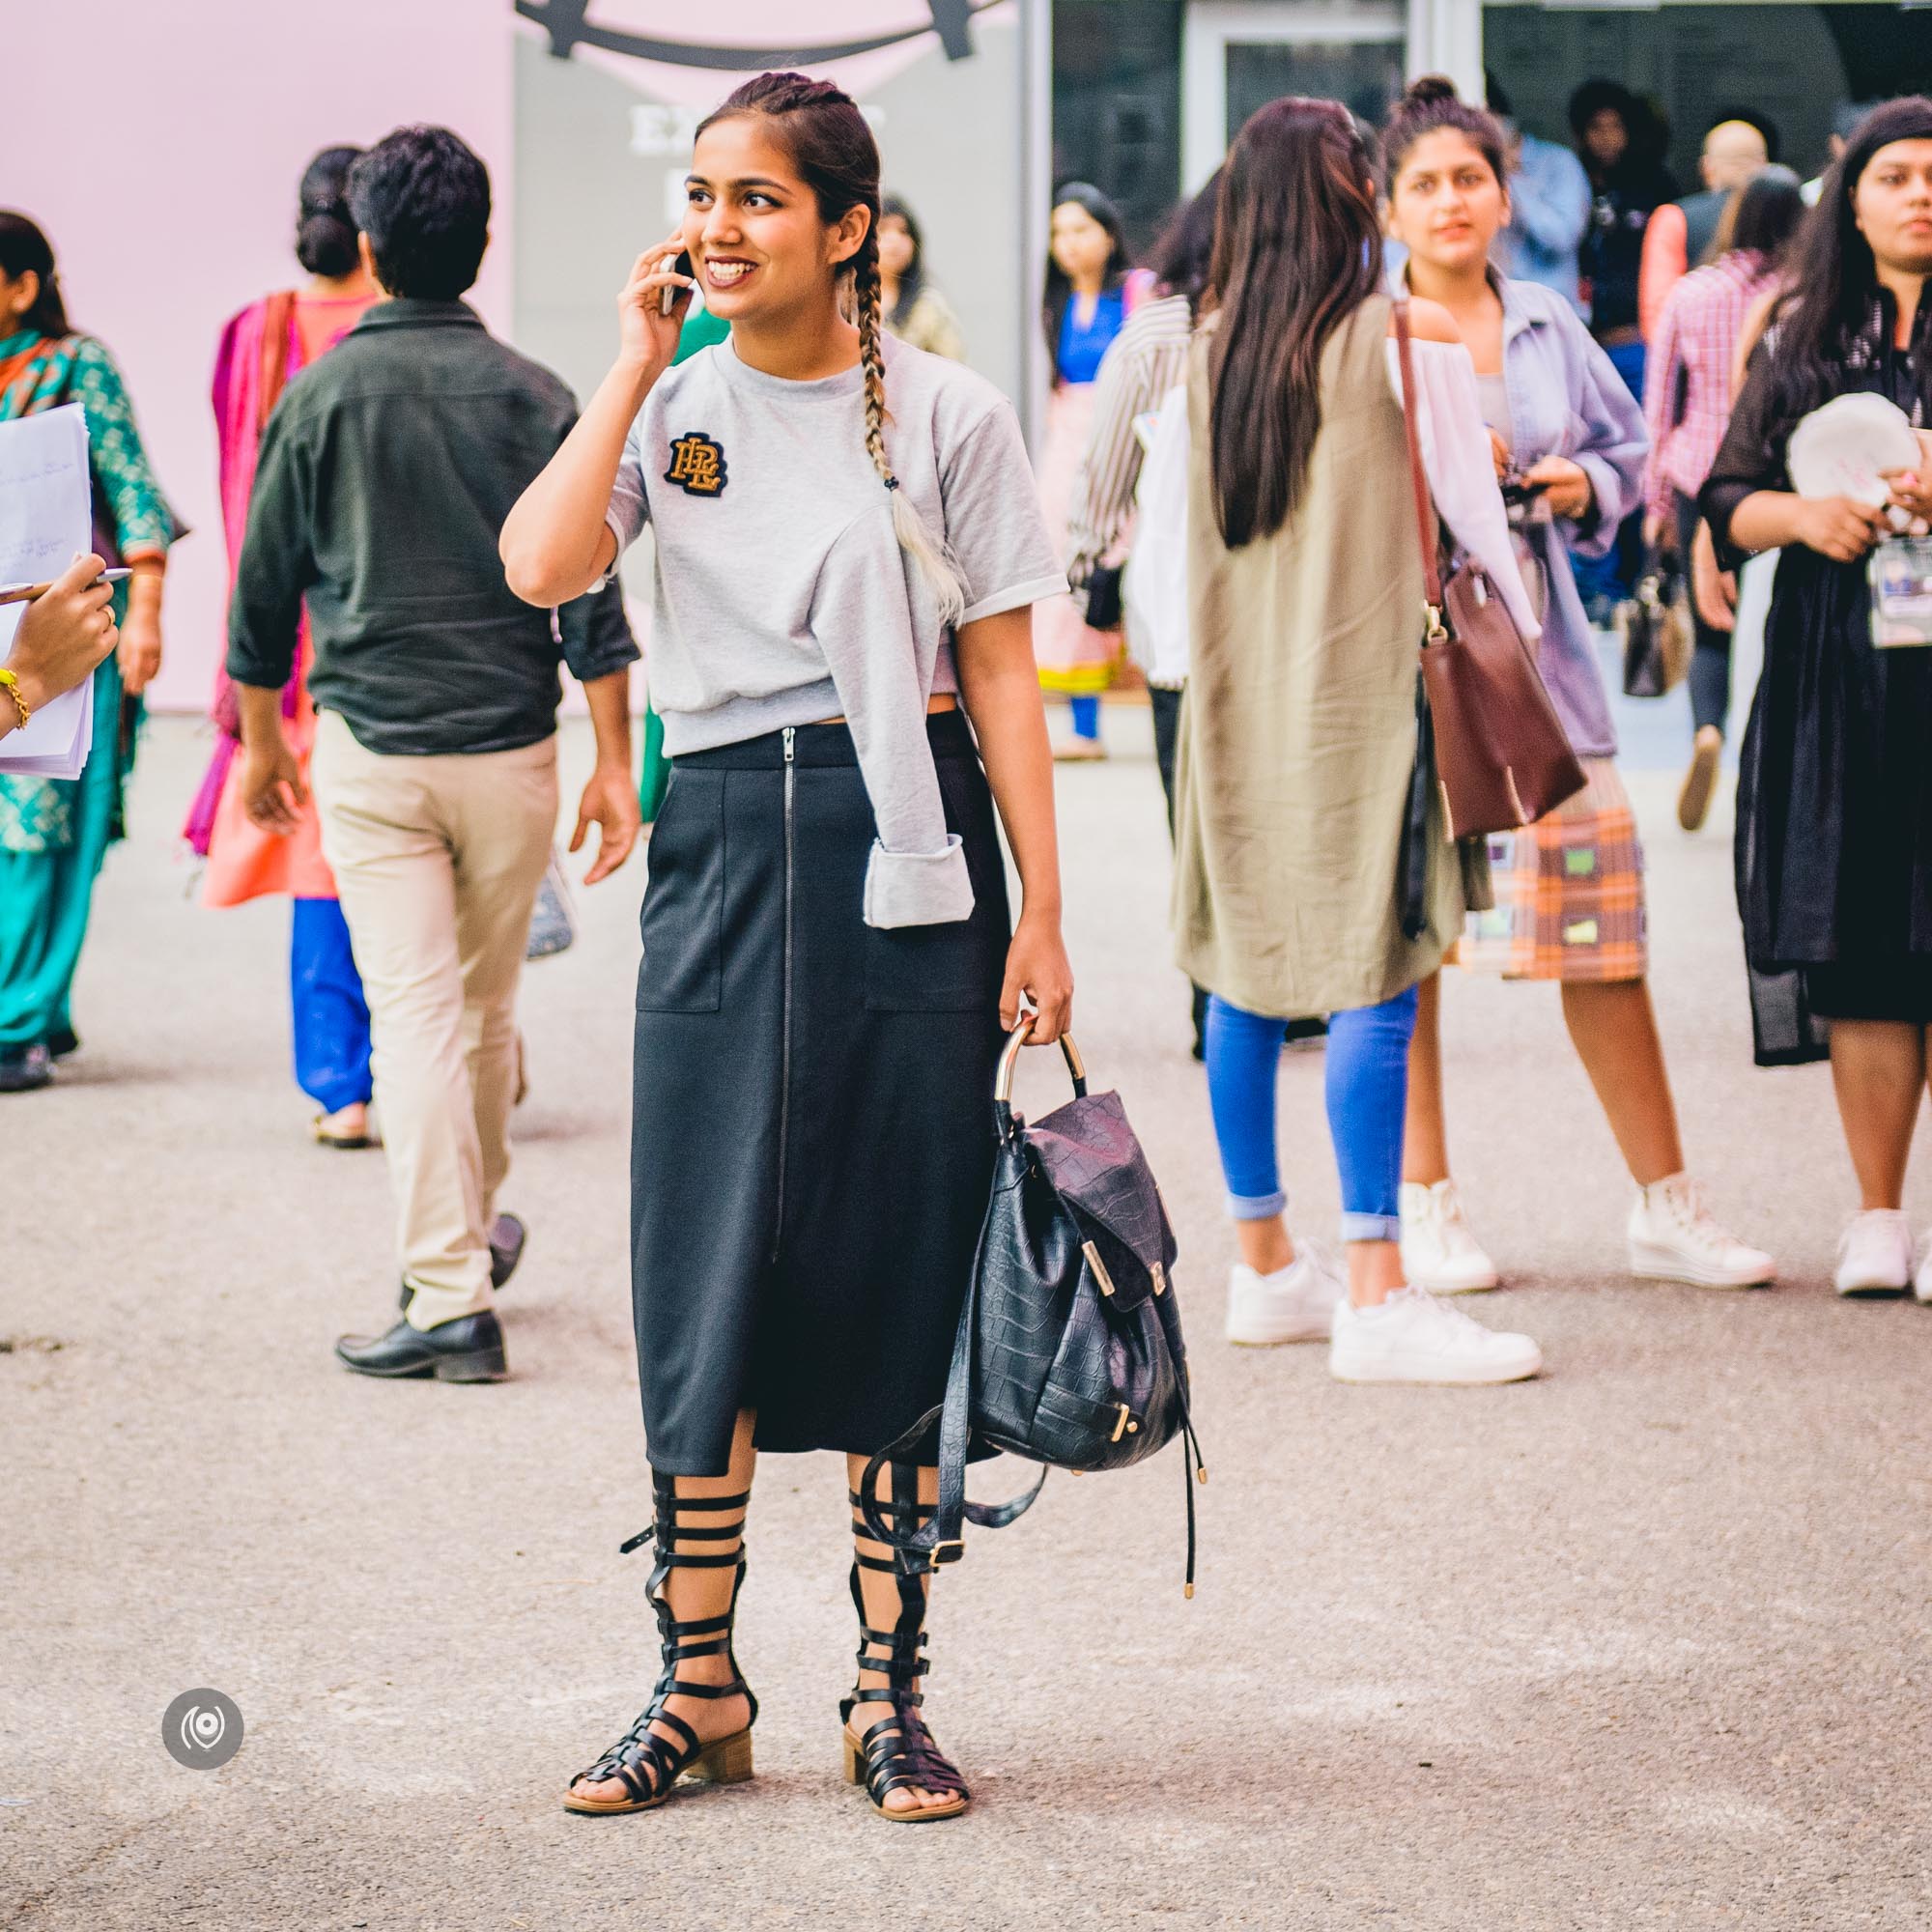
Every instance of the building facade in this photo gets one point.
(1147, 94)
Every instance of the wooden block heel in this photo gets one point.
(650, 1763)
(728, 1761)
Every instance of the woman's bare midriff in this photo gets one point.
(944, 701)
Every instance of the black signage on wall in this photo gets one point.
(568, 26)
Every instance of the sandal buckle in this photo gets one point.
(949, 1550)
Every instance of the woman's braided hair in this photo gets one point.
(836, 155)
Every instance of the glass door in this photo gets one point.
(1237, 55)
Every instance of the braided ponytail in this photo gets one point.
(834, 151)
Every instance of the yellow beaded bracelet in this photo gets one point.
(11, 684)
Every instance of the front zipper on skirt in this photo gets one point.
(785, 1044)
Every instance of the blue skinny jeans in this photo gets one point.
(1367, 1089)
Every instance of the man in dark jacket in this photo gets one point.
(385, 476)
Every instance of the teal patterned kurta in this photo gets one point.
(54, 833)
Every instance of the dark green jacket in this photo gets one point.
(383, 479)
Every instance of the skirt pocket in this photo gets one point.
(683, 920)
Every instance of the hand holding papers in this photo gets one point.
(45, 523)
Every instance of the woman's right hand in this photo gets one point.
(647, 336)
(63, 635)
(1839, 528)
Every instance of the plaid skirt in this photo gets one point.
(1568, 892)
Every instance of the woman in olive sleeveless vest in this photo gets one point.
(1298, 731)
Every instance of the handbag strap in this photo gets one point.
(1425, 508)
(939, 1540)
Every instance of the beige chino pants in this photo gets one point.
(437, 861)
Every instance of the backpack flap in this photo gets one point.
(1089, 1156)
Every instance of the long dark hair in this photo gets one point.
(912, 284)
(325, 228)
(1430, 105)
(1766, 214)
(23, 247)
(832, 147)
(1183, 250)
(1059, 290)
(1827, 321)
(1297, 250)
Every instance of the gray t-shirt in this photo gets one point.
(782, 595)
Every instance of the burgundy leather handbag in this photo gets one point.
(1502, 755)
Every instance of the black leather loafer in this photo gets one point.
(506, 1249)
(468, 1350)
(507, 1236)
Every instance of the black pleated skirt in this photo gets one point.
(813, 1139)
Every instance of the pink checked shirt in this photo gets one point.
(1687, 388)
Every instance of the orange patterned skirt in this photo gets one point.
(1569, 893)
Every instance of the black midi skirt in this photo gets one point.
(813, 1129)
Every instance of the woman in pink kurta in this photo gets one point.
(1090, 290)
(262, 348)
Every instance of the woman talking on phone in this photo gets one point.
(848, 547)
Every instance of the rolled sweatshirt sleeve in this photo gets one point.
(916, 874)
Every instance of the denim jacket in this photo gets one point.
(1565, 399)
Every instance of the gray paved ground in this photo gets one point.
(1643, 1643)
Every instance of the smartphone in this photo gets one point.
(681, 267)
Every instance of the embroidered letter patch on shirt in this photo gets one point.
(697, 464)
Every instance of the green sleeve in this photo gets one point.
(142, 519)
(657, 767)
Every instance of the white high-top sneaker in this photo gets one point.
(1293, 1304)
(1921, 1282)
(1438, 1252)
(1674, 1237)
(1414, 1338)
(1875, 1254)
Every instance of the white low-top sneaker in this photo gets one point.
(1673, 1236)
(1438, 1252)
(1414, 1338)
(1293, 1304)
(1921, 1282)
(1875, 1254)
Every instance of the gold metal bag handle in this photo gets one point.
(1009, 1060)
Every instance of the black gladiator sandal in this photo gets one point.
(899, 1752)
(648, 1765)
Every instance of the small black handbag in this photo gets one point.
(1104, 597)
(1657, 634)
(1068, 1349)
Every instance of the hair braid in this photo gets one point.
(917, 537)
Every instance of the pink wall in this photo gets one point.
(164, 165)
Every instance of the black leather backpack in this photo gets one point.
(1069, 1350)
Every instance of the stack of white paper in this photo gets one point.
(46, 522)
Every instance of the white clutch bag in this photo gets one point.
(1842, 449)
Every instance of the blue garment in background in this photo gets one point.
(1549, 209)
(331, 1019)
(1609, 564)
(1366, 1082)
(1085, 715)
(1082, 345)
